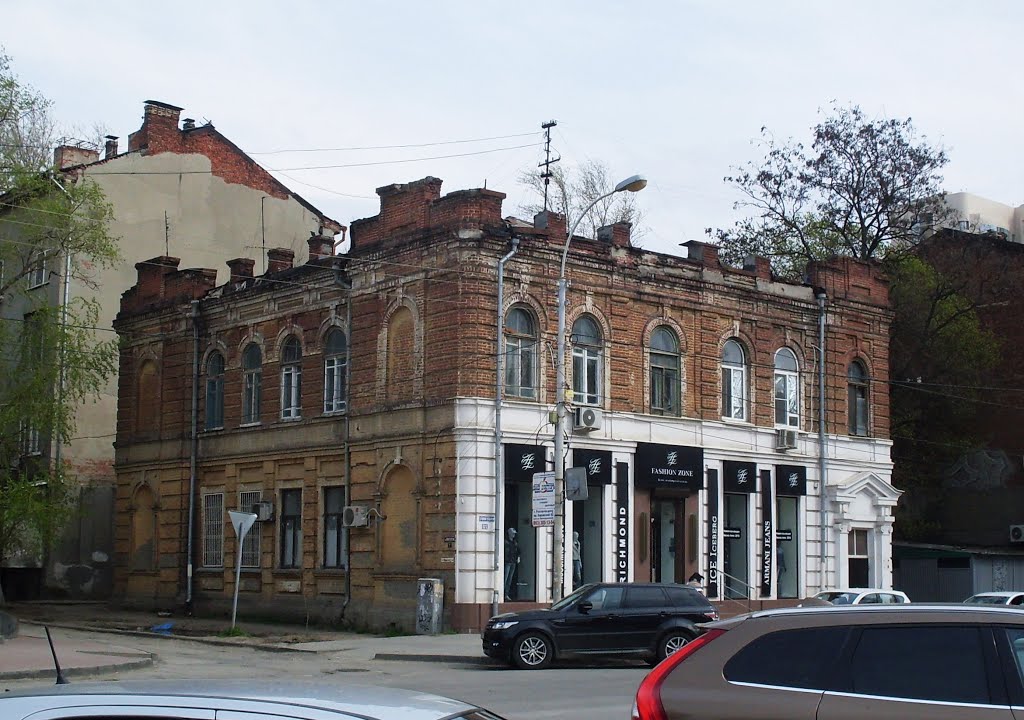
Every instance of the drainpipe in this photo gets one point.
(348, 454)
(499, 389)
(192, 456)
(822, 452)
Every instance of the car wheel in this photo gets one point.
(671, 641)
(532, 651)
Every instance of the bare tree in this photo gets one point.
(26, 127)
(571, 191)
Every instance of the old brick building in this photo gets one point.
(369, 380)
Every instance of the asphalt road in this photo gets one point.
(570, 691)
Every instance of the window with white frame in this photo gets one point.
(215, 391)
(213, 530)
(291, 528)
(251, 544)
(734, 381)
(520, 354)
(37, 270)
(335, 371)
(787, 389)
(664, 357)
(252, 372)
(857, 558)
(857, 398)
(291, 379)
(334, 535)
(587, 361)
(30, 442)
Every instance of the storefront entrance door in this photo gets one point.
(668, 560)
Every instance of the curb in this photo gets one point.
(426, 657)
(146, 634)
(51, 673)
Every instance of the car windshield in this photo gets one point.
(986, 600)
(837, 597)
(573, 597)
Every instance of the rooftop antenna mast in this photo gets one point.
(167, 235)
(548, 162)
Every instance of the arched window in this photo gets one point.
(857, 398)
(335, 371)
(787, 389)
(734, 381)
(520, 354)
(401, 361)
(587, 361)
(291, 379)
(664, 372)
(252, 374)
(215, 391)
(148, 399)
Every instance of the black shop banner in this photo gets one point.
(669, 466)
(767, 532)
(597, 463)
(713, 533)
(739, 477)
(622, 519)
(790, 480)
(522, 461)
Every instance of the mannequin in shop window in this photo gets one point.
(577, 561)
(512, 558)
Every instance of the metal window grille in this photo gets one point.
(251, 545)
(213, 530)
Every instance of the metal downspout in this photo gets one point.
(499, 389)
(348, 453)
(822, 451)
(193, 456)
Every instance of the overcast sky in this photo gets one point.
(673, 90)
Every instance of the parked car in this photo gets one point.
(832, 663)
(1009, 597)
(242, 699)
(645, 619)
(862, 596)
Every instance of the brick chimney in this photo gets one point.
(617, 234)
(706, 255)
(241, 269)
(110, 147)
(320, 246)
(761, 267)
(553, 223)
(159, 123)
(66, 156)
(403, 204)
(279, 259)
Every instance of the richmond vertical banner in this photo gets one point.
(767, 534)
(622, 518)
(712, 533)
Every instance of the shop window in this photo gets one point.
(520, 354)
(787, 546)
(335, 371)
(213, 530)
(587, 361)
(664, 360)
(736, 535)
(291, 528)
(857, 398)
(334, 535)
(251, 545)
(787, 389)
(520, 551)
(215, 391)
(734, 381)
(291, 379)
(252, 380)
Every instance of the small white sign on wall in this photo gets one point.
(544, 499)
(485, 522)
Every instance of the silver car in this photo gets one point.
(228, 700)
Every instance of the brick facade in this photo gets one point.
(416, 444)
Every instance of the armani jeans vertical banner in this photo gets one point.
(712, 533)
(622, 518)
(767, 533)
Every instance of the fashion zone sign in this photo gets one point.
(669, 466)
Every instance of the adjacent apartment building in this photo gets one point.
(384, 413)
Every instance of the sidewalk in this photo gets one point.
(28, 655)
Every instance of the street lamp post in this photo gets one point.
(635, 183)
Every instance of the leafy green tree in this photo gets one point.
(52, 227)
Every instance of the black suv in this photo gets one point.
(645, 619)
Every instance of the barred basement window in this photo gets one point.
(213, 530)
(251, 544)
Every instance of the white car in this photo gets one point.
(208, 700)
(863, 596)
(1008, 597)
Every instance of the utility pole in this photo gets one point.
(548, 162)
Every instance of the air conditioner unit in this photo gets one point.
(264, 510)
(785, 439)
(355, 516)
(1017, 533)
(586, 418)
